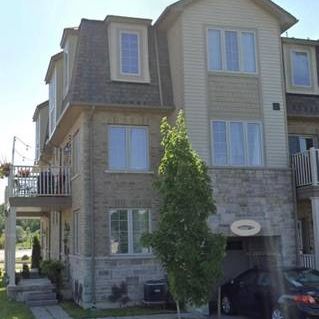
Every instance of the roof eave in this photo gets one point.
(51, 66)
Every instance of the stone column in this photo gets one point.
(315, 218)
(11, 246)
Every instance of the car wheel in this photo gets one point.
(277, 313)
(227, 306)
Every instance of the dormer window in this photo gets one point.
(130, 53)
(301, 74)
(52, 103)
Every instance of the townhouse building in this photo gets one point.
(244, 90)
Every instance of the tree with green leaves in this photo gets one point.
(190, 253)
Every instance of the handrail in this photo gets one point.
(31, 181)
(305, 166)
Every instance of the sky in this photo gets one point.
(30, 32)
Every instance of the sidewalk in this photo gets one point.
(49, 312)
(56, 312)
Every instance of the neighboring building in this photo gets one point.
(98, 138)
(302, 73)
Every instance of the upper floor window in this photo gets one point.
(232, 51)
(52, 103)
(128, 148)
(127, 228)
(301, 74)
(299, 144)
(65, 71)
(130, 53)
(237, 143)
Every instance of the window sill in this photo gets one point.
(233, 74)
(135, 256)
(129, 172)
(238, 167)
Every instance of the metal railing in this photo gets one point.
(306, 167)
(31, 181)
(308, 261)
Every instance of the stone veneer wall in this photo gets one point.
(262, 195)
(133, 271)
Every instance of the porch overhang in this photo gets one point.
(307, 192)
(40, 203)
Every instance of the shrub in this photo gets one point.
(36, 253)
(25, 257)
(53, 269)
(25, 271)
(120, 294)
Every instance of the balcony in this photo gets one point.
(45, 188)
(305, 167)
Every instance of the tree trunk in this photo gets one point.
(178, 310)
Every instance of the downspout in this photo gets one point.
(92, 200)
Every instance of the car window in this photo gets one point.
(264, 280)
(302, 277)
(248, 278)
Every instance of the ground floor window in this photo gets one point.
(76, 247)
(127, 227)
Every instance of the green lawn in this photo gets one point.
(78, 313)
(11, 309)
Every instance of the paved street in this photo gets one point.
(19, 253)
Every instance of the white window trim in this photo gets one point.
(38, 137)
(292, 51)
(128, 149)
(66, 71)
(228, 144)
(53, 106)
(130, 232)
(76, 232)
(240, 50)
(139, 53)
(75, 158)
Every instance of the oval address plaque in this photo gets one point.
(245, 228)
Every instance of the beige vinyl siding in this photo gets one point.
(233, 98)
(235, 14)
(175, 44)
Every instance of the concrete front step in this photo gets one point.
(39, 295)
(36, 292)
(41, 303)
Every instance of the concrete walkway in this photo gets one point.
(49, 312)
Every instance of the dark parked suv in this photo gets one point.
(291, 293)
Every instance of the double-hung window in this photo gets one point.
(130, 53)
(127, 228)
(300, 64)
(76, 153)
(237, 143)
(128, 148)
(76, 246)
(232, 51)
